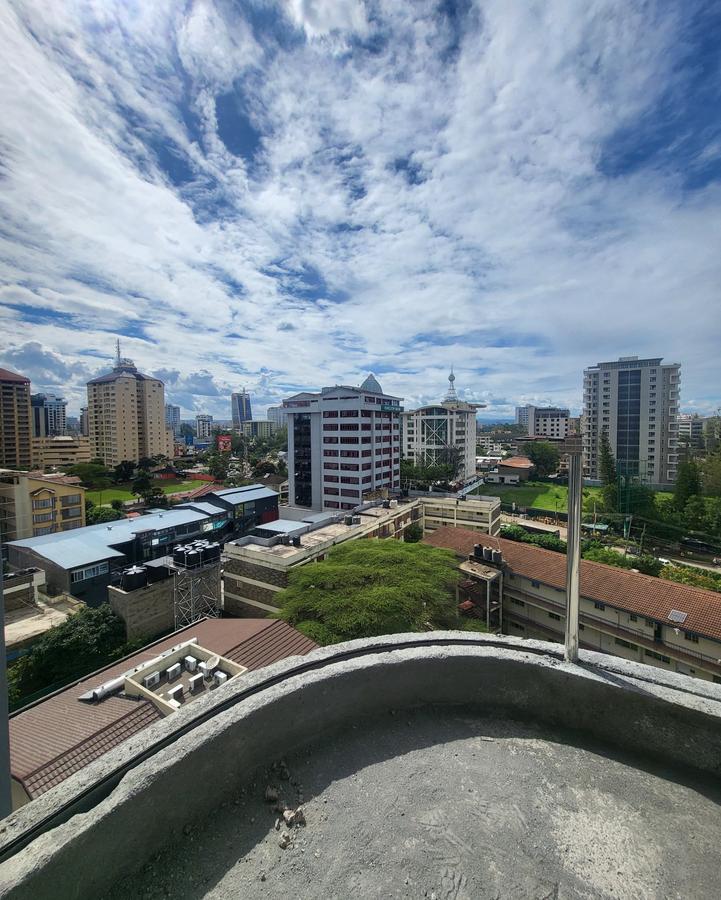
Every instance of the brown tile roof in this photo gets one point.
(517, 462)
(7, 375)
(61, 734)
(644, 595)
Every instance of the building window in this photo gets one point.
(600, 606)
(43, 504)
(517, 602)
(650, 623)
(89, 572)
(633, 618)
(535, 584)
(658, 656)
(690, 637)
(43, 517)
(554, 616)
(627, 644)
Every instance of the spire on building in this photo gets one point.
(117, 352)
(371, 385)
(451, 395)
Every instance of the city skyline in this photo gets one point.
(287, 196)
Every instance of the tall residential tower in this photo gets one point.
(240, 405)
(15, 424)
(635, 401)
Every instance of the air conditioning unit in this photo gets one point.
(151, 680)
(191, 663)
(195, 682)
(203, 669)
(173, 672)
(176, 693)
(220, 678)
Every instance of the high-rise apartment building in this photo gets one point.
(635, 402)
(15, 421)
(690, 430)
(203, 426)
(84, 426)
(543, 421)
(49, 415)
(172, 418)
(241, 409)
(126, 415)
(278, 416)
(443, 433)
(343, 445)
(262, 428)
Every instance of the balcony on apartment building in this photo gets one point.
(444, 763)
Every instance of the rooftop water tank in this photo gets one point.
(133, 578)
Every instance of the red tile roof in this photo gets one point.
(7, 375)
(644, 595)
(61, 734)
(517, 462)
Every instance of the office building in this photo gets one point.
(443, 434)
(203, 426)
(635, 403)
(34, 504)
(544, 421)
(262, 428)
(650, 620)
(278, 416)
(172, 418)
(343, 445)
(15, 421)
(49, 415)
(240, 408)
(60, 452)
(126, 415)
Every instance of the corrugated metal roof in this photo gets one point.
(242, 495)
(83, 546)
(644, 595)
(58, 736)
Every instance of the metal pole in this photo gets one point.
(5, 794)
(575, 484)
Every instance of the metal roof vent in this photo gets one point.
(677, 616)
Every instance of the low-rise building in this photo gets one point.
(60, 452)
(64, 732)
(85, 562)
(650, 620)
(34, 504)
(257, 566)
(513, 470)
(544, 421)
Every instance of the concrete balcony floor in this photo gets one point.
(447, 804)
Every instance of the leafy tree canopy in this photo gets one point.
(544, 456)
(367, 588)
(101, 514)
(688, 484)
(93, 474)
(413, 533)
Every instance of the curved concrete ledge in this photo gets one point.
(623, 706)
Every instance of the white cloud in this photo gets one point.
(434, 182)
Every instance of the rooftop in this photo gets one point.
(516, 462)
(61, 734)
(412, 781)
(7, 375)
(653, 598)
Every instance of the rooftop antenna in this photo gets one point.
(451, 396)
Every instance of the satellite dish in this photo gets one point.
(213, 662)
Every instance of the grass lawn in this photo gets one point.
(123, 492)
(540, 495)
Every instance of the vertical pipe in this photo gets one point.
(573, 555)
(5, 795)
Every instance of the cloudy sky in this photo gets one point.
(285, 195)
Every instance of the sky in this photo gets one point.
(286, 195)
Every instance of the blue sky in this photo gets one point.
(283, 195)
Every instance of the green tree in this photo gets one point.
(146, 463)
(85, 641)
(264, 467)
(688, 484)
(123, 472)
(93, 475)
(142, 484)
(413, 533)
(711, 475)
(367, 588)
(544, 456)
(218, 464)
(694, 513)
(117, 504)
(102, 514)
(606, 461)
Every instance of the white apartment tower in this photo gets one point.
(443, 433)
(126, 415)
(543, 421)
(343, 445)
(635, 401)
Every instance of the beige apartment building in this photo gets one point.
(60, 452)
(126, 415)
(257, 567)
(638, 617)
(32, 504)
(15, 421)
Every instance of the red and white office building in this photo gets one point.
(344, 445)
